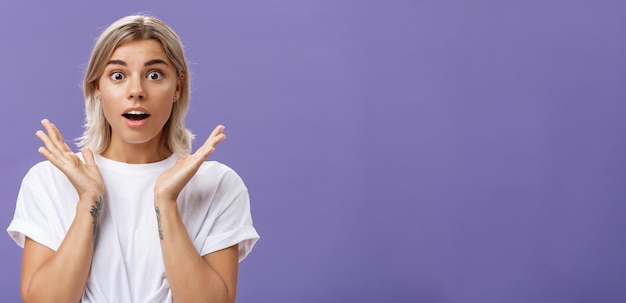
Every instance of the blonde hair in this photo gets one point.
(97, 131)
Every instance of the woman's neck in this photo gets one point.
(149, 152)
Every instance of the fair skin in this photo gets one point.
(138, 79)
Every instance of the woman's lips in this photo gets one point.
(135, 115)
(135, 118)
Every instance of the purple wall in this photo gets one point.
(395, 151)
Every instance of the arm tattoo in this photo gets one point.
(158, 215)
(95, 213)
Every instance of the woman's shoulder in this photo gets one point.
(218, 172)
(44, 172)
(214, 167)
(43, 168)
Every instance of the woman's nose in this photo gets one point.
(135, 90)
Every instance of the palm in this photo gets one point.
(171, 182)
(85, 176)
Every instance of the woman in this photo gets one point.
(133, 217)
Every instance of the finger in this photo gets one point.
(88, 156)
(44, 151)
(217, 130)
(214, 141)
(49, 127)
(47, 154)
(55, 135)
(51, 147)
(217, 136)
(90, 162)
(42, 136)
(209, 145)
(65, 146)
(61, 141)
(200, 155)
(46, 141)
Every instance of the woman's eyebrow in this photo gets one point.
(151, 62)
(117, 62)
(155, 61)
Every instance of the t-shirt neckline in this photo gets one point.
(106, 163)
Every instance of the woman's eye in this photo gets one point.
(154, 75)
(117, 76)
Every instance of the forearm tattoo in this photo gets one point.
(158, 215)
(95, 213)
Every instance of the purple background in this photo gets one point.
(395, 151)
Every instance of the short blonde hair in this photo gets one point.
(97, 131)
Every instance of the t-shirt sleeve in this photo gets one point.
(233, 220)
(31, 217)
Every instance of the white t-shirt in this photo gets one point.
(127, 264)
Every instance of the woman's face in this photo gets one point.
(138, 89)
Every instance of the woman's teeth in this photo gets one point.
(135, 115)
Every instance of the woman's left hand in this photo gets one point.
(171, 182)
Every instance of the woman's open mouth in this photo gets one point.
(135, 115)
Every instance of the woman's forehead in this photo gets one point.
(139, 48)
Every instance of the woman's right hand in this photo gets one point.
(85, 176)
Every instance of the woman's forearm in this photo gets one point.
(62, 276)
(191, 278)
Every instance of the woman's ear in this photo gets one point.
(96, 91)
(179, 87)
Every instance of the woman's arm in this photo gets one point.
(192, 278)
(49, 276)
(61, 276)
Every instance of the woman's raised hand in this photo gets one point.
(85, 176)
(169, 184)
